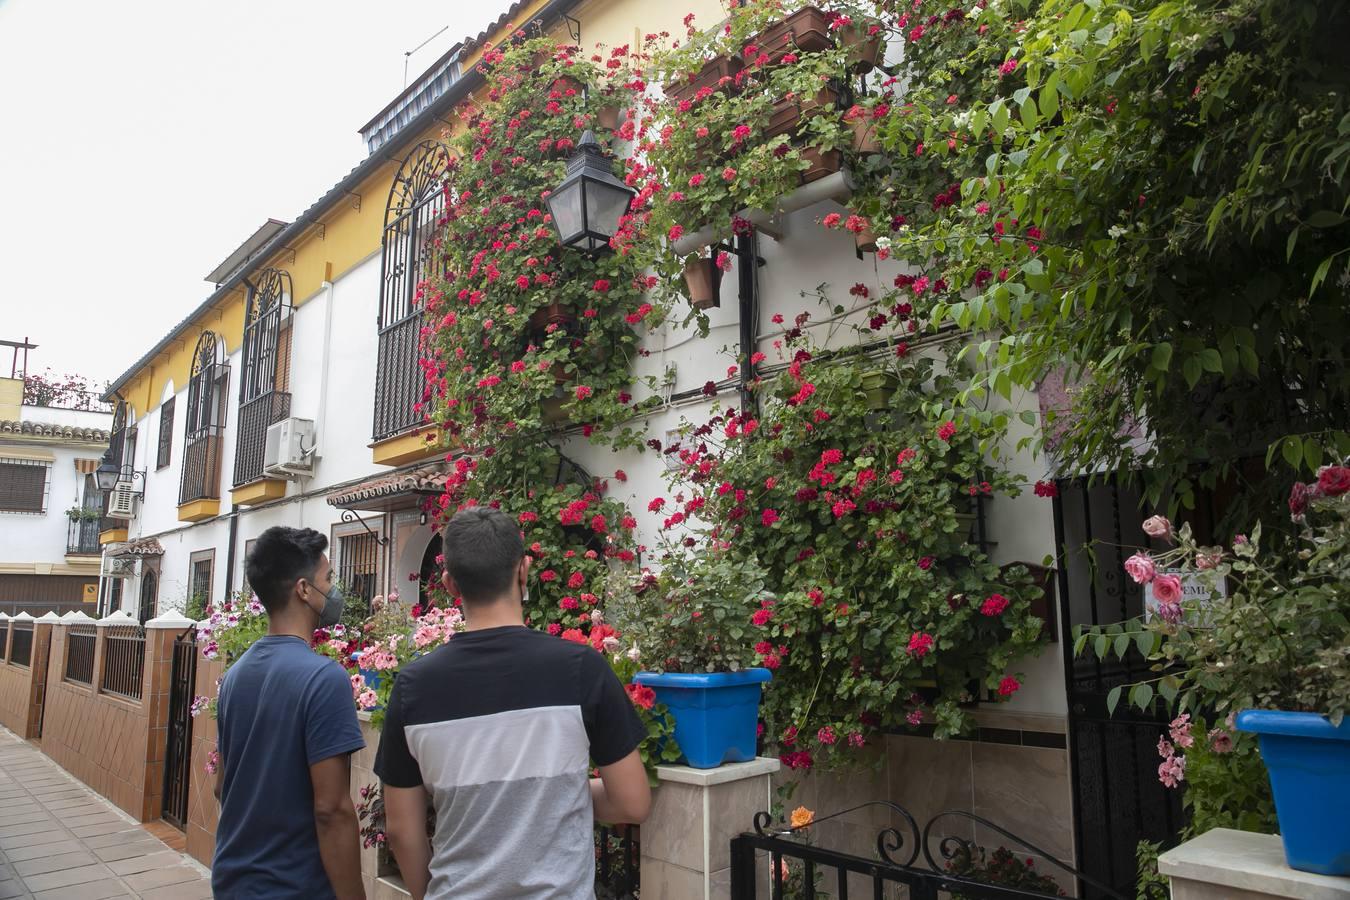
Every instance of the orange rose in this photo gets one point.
(801, 817)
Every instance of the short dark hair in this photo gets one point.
(280, 557)
(482, 547)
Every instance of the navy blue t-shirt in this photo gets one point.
(282, 708)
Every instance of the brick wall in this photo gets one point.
(113, 744)
(202, 809)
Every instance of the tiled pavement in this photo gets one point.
(61, 841)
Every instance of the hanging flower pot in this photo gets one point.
(820, 163)
(552, 314)
(878, 386)
(710, 76)
(1308, 759)
(608, 117)
(865, 141)
(864, 48)
(703, 281)
(807, 29)
(789, 113)
(865, 240)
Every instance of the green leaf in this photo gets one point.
(1192, 369)
(1112, 699)
(1029, 114)
(1320, 275)
(999, 112)
(1049, 100)
(1099, 646)
(1122, 645)
(1167, 688)
(1289, 244)
(1143, 641)
(1312, 453)
(1211, 360)
(1162, 356)
(1293, 451)
(1325, 218)
(1143, 695)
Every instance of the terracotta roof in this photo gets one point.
(426, 480)
(65, 432)
(140, 547)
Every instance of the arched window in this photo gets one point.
(411, 227)
(205, 421)
(264, 388)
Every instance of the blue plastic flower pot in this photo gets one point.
(716, 713)
(1309, 764)
(371, 677)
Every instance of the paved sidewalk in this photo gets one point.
(61, 841)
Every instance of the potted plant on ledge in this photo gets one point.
(1233, 631)
(691, 627)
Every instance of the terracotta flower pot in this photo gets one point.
(554, 313)
(608, 117)
(703, 281)
(864, 50)
(865, 135)
(807, 29)
(820, 163)
(711, 75)
(865, 240)
(789, 114)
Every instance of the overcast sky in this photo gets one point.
(142, 141)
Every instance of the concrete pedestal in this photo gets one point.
(1237, 865)
(686, 842)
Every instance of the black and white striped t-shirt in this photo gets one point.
(501, 726)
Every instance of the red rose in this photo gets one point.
(1333, 480)
(641, 695)
(1298, 500)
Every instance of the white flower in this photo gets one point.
(1116, 231)
(883, 243)
(633, 654)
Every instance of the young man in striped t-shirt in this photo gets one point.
(500, 728)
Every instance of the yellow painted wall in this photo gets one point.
(349, 235)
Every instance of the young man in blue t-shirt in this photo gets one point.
(287, 727)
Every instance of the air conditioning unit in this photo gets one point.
(122, 501)
(289, 451)
(120, 567)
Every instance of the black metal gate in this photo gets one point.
(178, 753)
(1117, 798)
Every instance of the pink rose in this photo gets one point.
(1140, 568)
(1157, 526)
(1167, 589)
(1209, 559)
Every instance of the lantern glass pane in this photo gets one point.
(605, 206)
(565, 205)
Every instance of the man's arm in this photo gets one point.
(405, 824)
(336, 824)
(220, 776)
(621, 795)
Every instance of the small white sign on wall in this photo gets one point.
(1193, 588)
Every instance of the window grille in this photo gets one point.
(23, 485)
(263, 400)
(358, 565)
(163, 457)
(205, 421)
(413, 218)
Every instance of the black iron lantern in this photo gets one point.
(589, 203)
(107, 474)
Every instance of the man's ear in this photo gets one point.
(526, 560)
(449, 583)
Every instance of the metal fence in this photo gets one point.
(80, 644)
(21, 650)
(617, 862)
(780, 862)
(124, 661)
(4, 638)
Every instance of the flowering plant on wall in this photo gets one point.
(854, 499)
(752, 109)
(524, 334)
(385, 656)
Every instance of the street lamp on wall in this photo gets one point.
(108, 473)
(590, 202)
